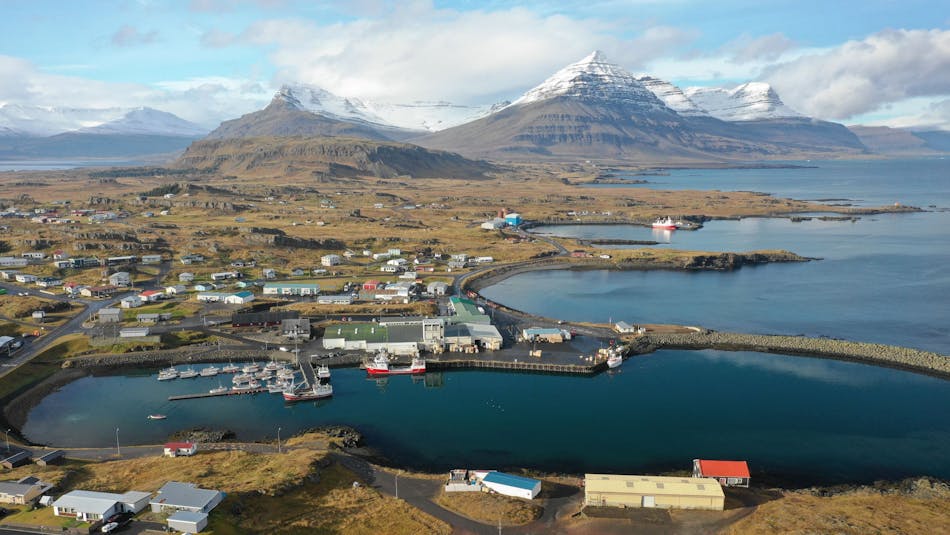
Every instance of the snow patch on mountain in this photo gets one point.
(148, 121)
(672, 96)
(594, 78)
(747, 102)
(420, 116)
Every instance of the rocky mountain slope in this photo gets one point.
(326, 157)
(901, 142)
(751, 101)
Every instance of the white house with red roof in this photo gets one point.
(151, 296)
(175, 449)
(728, 473)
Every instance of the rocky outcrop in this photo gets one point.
(731, 261)
(202, 435)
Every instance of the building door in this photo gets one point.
(649, 501)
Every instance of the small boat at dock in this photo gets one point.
(188, 373)
(251, 368)
(242, 378)
(323, 372)
(230, 368)
(157, 416)
(210, 371)
(243, 387)
(318, 391)
(219, 389)
(168, 374)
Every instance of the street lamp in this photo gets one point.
(8, 439)
(118, 452)
(278, 440)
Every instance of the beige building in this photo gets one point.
(607, 490)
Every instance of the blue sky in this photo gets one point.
(208, 60)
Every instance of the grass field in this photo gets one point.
(491, 508)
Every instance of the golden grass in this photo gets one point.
(44, 517)
(491, 508)
(858, 514)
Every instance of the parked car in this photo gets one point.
(110, 527)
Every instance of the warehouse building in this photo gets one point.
(291, 288)
(607, 490)
(512, 485)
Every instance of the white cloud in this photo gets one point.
(205, 101)
(417, 52)
(745, 48)
(863, 76)
(131, 36)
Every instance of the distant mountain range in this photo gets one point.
(29, 132)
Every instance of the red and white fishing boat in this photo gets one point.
(666, 223)
(318, 391)
(380, 366)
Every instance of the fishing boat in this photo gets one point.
(157, 416)
(318, 391)
(272, 366)
(286, 374)
(210, 371)
(187, 373)
(263, 374)
(242, 378)
(380, 366)
(666, 223)
(168, 374)
(230, 368)
(279, 387)
(218, 390)
(614, 356)
(323, 372)
(251, 368)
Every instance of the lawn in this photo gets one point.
(43, 516)
(491, 508)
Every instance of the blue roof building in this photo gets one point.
(512, 485)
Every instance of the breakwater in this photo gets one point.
(186, 355)
(904, 358)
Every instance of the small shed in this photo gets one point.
(175, 449)
(728, 473)
(188, 521)
(17, 459)
(512, 485)
(51, 457)
(134, 332)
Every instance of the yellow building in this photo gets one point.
(607, 490)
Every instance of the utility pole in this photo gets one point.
(278, 440)
(8, 439)
(396, 477)
(118, 452)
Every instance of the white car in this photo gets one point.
(110, 527)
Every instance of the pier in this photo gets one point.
(217, 394)
(309, 375)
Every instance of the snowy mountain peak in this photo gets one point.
(148, 121)
(672, 96)
(418, 115)
(746, 102)
(43, 121)
(593, 78)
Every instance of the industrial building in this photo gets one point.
(240, 298)
(728, 473)
(512, 485)
(262, 319)
(396, 339)
(550, 335)
(607, 490)
(110, 315)
(295, 328)
(466, 311)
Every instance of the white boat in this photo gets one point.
(168, 374)
(242, 378)
(279, 387)
(318, 391)
(219, 389)
(272, 366)
(243, 387)
(187, 373)
(157, 416)
(263, 374)
(614, 356)
(251, 368)
(286, 374)
(210, 371)
(230, 368)
(614, 361)
(666, 223)
(323, 372)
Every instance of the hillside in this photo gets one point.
(326, 157)
(901, 142)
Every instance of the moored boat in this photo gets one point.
(251, 368)
(666, 223)
(168, 374)
(318, 391)
(210, 371)
(157, 416)
(187, 373)
(218, 390)
(323, 372)
(380, 366)
(243, 387)
(230, 368)
(242, 378)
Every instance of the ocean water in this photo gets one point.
(883, 278)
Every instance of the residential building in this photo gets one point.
(151, 296)
(330, 260)
(120, 278)
(186, 277)
(268, 273)
(152, 259)
(177, 449)
(176, 289)
(342, 299)
(22, 492)
(209, 297)
(189, 259)
(225, 275)
(110, 315)
(49, 282)
(25, 278)
(291, 288)
(89, 506)
(438, 288)
(728, 473)
(17, 459)
(177, 496)
(132, 301)
(12, 261)
(51, 457)
(98, 291)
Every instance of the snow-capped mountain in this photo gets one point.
(747, 102)
(672, 96)
(593, 78)
(420, 116)
(45, 121)
(148, 121)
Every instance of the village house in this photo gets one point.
(89, 506)
(177, 449)
(151, 296)
(728, 473)
(240, 298)
(98, 291)
(120, 278)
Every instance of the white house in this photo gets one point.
(268, 273)
(151, 296)
(330, 260)
(175, 449)
(132, 301)
(291, 288)
(396, 262)
(89, 506)
(177, 496)
(152, 259)
(188, 522)
(176, 289)
(381, 256)
(437, 288)
(120, 278)
(186, 277)
(208, 297)
(240, 298)
(25, 277)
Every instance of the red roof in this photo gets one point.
(724, 468)
(180, 445)
(150, 292)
